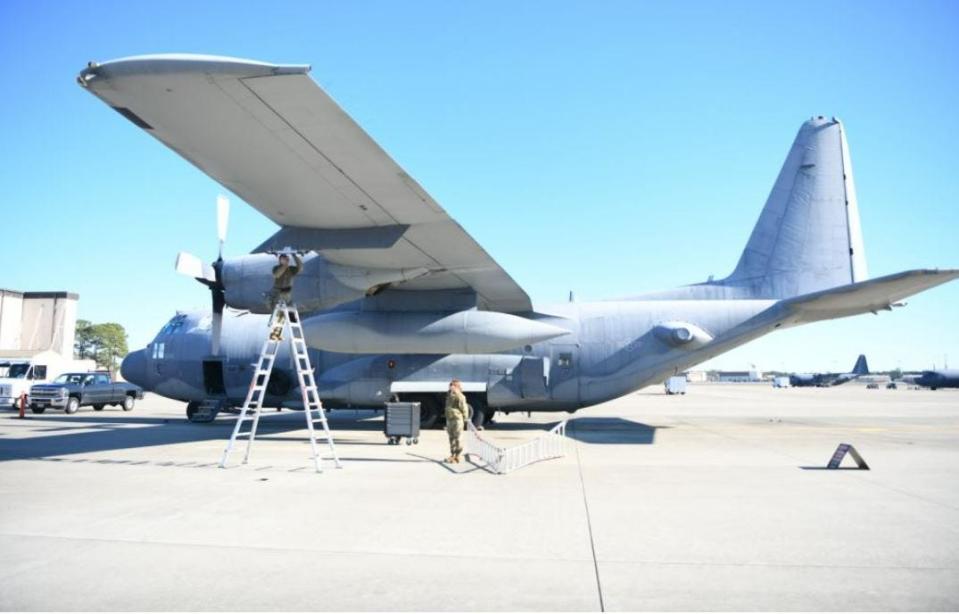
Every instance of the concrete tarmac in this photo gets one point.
(716, 500)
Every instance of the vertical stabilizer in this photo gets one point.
(861, 367)
(808, 236)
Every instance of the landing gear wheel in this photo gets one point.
(98, 407)
(191, 409)
(480, 411)
(128, 403)
(429, 412)
(194, 415)
(37, 410)
(72, 405)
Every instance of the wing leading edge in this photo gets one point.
(272, 136)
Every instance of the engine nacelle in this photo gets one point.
(410, 332)
(248, 281)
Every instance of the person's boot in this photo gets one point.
(449, 460)
(456, 458)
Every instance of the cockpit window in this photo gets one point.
(175, 324)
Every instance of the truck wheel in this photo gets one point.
(73, 404)
(128, 403)
(37, 409)
(98, 407)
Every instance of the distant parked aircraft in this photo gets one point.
(943, 378)
(830, 379)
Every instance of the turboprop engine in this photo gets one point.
(247, 281)
(462, 332)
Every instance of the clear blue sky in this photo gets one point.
(607, 148)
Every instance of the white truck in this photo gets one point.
(676, 384)
(17, 374)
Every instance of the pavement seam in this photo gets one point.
(589, 526)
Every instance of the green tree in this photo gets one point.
(111, 343)
(84, 342)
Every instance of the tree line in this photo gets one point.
(105, 343)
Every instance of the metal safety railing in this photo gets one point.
(552, 444)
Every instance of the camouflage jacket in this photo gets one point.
(283, 277)
(456, 406)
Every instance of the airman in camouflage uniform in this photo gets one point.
(457, 413)
(283, 275)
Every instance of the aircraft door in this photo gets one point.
(564, 372)
(213, 382)
(534, 375)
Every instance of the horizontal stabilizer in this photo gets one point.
(873, 295)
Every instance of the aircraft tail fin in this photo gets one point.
(808, 236)
(861, 367)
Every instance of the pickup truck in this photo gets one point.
(70, 391)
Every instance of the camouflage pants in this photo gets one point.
(454, 428)
(280, 296)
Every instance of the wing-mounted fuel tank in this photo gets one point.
(415, 332)
(320, 285)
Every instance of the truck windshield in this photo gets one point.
(70, 378)
(18, 371)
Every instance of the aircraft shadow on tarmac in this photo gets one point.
(61, 435)
(611, 430)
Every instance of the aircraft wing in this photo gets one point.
(881, 293)
(272, 136)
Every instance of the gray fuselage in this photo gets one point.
(612, 348)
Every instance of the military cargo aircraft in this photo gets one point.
(940, 378)
(397, 298)
(830, 379)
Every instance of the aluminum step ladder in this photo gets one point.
(285, 320)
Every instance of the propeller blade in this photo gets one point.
(215, 331)
(222, 219)
(191, 266)
(219, 302)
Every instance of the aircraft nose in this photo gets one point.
(134, 368)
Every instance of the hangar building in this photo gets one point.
(34, 322)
